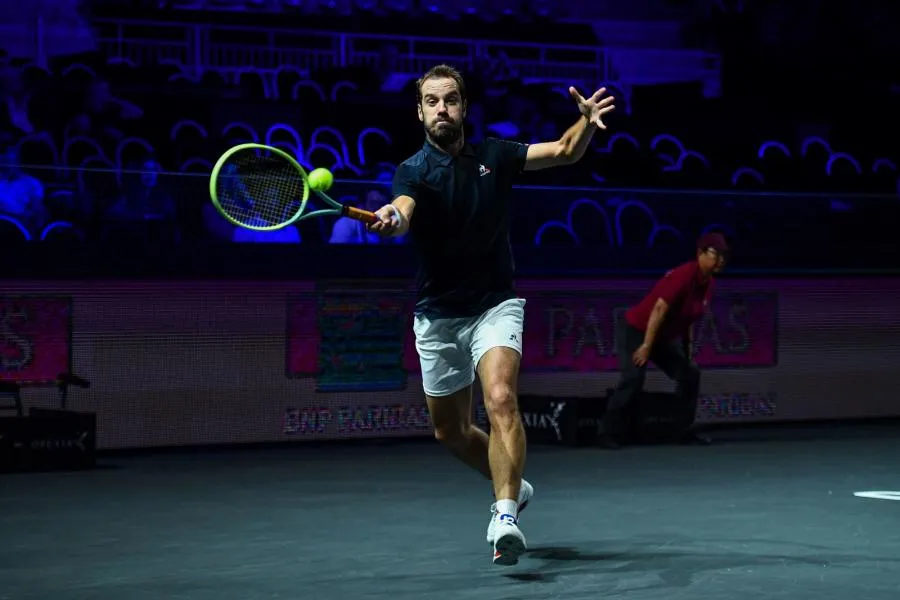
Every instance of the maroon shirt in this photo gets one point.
(687, 295)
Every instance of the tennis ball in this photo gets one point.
(320, 180)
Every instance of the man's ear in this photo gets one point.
(465, 108)
(419, 111)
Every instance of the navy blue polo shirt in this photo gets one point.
(460, 226)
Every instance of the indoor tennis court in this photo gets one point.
(761, 514)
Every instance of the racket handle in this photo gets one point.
(360, 215)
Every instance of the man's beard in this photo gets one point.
(445, 134)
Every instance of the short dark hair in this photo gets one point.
(441, 72)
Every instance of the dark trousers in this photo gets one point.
(672, 360)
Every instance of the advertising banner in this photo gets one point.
(35, 338)
(210, 362)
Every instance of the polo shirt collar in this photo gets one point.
(442, 157)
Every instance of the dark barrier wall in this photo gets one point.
(174, 363)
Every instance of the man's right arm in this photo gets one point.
(404, 206)
(657, 315)
(667, 291)
(396, 216)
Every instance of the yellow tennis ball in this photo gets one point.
(320, 180)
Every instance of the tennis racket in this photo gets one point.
(263, 188)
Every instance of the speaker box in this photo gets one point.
(561, 421)
(48, 440)
(659, 418)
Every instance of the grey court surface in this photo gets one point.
(760, 514)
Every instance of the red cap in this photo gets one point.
(716, 241)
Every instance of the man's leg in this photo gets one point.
(451, 417)
(498, 370)
(497, 351)
(675, 363)
(499, 373)
(502, 407)
(447, 377)
(631, 382)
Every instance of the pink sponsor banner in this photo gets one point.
(35, 338)
(302, 338)
(574, 331)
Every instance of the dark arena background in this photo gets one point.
(192, 411)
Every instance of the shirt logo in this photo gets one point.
(483, 170)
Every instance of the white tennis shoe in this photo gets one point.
(526, 491)
(510, 543)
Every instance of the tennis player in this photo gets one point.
(454, 199)
(660, 329)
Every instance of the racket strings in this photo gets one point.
(259, 190)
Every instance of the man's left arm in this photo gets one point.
(574, 142)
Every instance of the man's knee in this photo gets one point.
(498, 370)
(453, 436)
(451, 417)
(500, 401)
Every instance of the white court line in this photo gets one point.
(878, 495)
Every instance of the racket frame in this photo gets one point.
(338, 209)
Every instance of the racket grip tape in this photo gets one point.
(360, 215)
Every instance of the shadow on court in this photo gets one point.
(671, 567)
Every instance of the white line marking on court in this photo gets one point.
(878, 495)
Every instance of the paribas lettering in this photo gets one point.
(383, 418)
(574, 331)
(350, 419)
(22, 349)
(738, 405)
(708, 329)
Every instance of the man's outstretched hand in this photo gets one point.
(595, 107)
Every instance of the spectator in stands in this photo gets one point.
(497, 73)
(143, 207)
(388, 61)
(504, 73)
(103, 116)
(351, 231)
(14, 97)
(141, 198)
(285, 235)
(216, 228)
(21, 195)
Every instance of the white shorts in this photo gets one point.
(449, 349)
